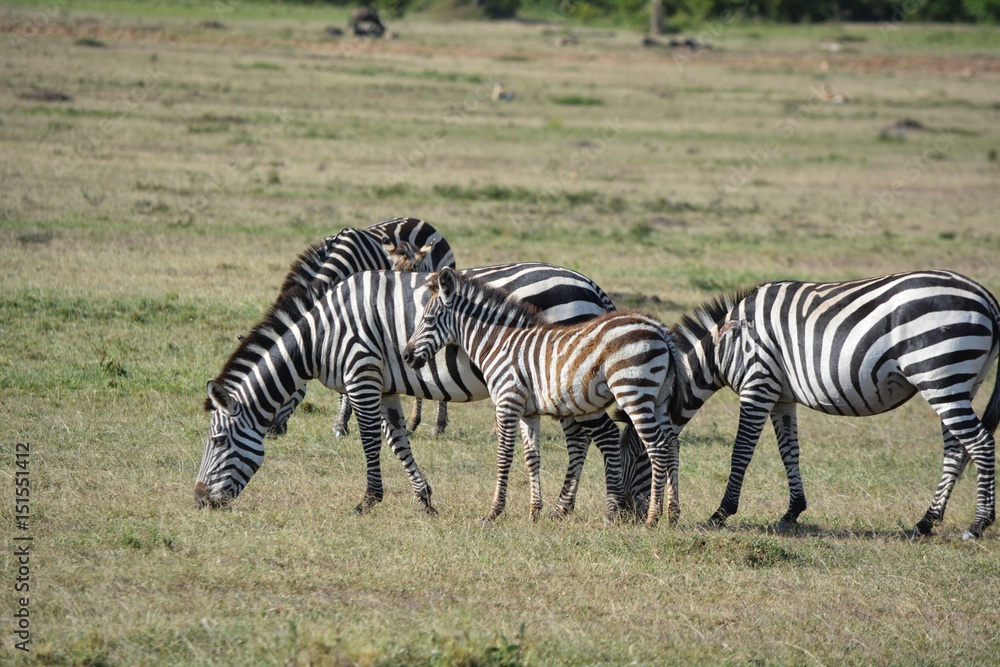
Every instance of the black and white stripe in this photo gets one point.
(853, 348)
(338, 337)
(533, 369)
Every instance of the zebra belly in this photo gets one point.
(449, 376)
(860, 394)
(573, 401)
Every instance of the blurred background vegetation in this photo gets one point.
(683, 14)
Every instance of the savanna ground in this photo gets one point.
(162, 164)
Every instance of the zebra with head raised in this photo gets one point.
(336, 336)
(404, 256)
(382, 246)
(853, 348)
(533, 369)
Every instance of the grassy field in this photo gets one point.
(162, 164)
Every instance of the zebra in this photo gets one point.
(337, 337)
(534, 369)
(378, 247)
(404, 256)
(855, 348)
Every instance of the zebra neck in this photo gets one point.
(265, 376)
(699, 376)
(485, 328)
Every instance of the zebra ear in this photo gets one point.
(447, 284)
(220, 398)
(424, 251)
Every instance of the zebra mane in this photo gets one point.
(303, 269)
(489, 298)
(696, 325)
(290, 305)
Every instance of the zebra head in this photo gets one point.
(437, 327)
(233, 449)
(405, 256)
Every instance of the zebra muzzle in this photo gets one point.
(411, 359)
(203, 498)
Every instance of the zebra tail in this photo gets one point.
(991, 418)
(629, 443)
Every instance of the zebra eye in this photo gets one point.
(219, 439)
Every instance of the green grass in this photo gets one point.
(149, 221)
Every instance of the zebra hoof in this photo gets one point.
(714, 523)
(974, 532)
(559, 514)
(367, 503)
(339, 431)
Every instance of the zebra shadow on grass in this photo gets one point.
(807, 529)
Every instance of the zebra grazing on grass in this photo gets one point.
(338, 337)
(533, 369)
(382, 246)
(853, 348)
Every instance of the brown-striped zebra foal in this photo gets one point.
(533, 369)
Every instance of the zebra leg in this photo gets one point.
(958, 417)
(343, 416)
(659, 445)
(366, 400)
(441, 423)
(787, 433)
(279, 424)
(395, 434)
(753, 415)
(414, 421)
(955, 460)
(673, 465)
(532, 460)
(577, 444)
(606, 435)
(506, 423)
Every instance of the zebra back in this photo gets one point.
(361, 249)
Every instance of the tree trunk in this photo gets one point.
(656, 17)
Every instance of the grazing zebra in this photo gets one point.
(336, 336)
(532, 369)
(378, 247)
(853, 348)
